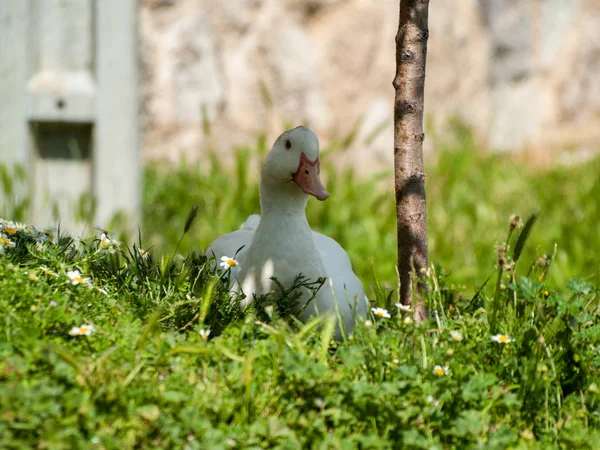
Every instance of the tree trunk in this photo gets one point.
(409, 84)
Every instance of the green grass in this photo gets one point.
(147, 378)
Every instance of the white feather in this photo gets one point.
(281, 244)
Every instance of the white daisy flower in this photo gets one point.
(50, 230)
(83, 330)
(229, 263)
(76, 278)
(142, 253)
(50, 234)
(30, 230)
(502, 338)
(5, 241)
(47, 271)
(440, 371)
(456, 336)
(204, 333)
(431, 399)
(527, 434)
(381, 313)
(9, 227)
(108, 245)
(403, 308)
(105, 242)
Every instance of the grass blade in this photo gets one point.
(191, 218)
(147, 330)
(134, 372)
(379, 294)
(65, 355)
(190, 349)
(326, 336)
(525, 233)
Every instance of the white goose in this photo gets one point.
(280, 243)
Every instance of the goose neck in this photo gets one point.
(282, 200)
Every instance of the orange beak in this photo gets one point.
(307, 178)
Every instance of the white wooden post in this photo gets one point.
(14, 137)
(116, 166)
(69, 108)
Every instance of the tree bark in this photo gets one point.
(409, 84)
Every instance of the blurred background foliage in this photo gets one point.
(471, 196)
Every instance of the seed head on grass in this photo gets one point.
(525, 233)
(515, 221)
(191, 218)
(189, 221)
(502, 261)
(542, 261)
(103, 231)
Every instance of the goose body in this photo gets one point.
(280, 243)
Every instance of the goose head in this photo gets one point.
(292, 165)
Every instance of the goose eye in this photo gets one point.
(288, 144)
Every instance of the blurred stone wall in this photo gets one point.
(525, 74)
